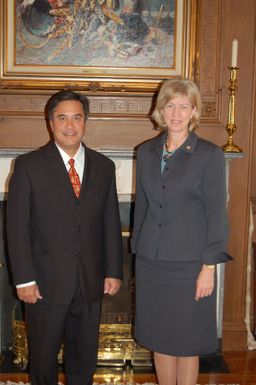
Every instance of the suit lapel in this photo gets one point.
(58, 168)
(92, 171)
(87, 172)
(156, 153)
(157, 145)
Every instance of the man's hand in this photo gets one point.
(204, 283)
(29, 294)
(111, 286)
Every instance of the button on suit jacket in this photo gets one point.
(180, 215)
(56, 238)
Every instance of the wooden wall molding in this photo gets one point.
(209, 110)
(35, 103)
(207, 73)
(234, 336)
(121, 105)
(139, 106)
(253, 200)
(22, 104)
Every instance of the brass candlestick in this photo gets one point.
(230, 146)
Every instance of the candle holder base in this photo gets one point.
(232, 147)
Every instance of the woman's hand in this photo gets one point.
(204, 283)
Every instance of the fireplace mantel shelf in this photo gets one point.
(118, 153)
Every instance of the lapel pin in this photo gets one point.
(188, 147)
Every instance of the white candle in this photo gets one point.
(234, 53)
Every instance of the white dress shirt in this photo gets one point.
(79, 160)
(79, 166)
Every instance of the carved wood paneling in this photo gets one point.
(35, 103)
(120, 105)
(208, 59)
(22, 103)
(114, 106)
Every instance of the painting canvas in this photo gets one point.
(127, 39)
(95, 33)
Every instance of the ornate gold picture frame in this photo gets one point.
(103, 45)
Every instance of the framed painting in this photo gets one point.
(96, 45)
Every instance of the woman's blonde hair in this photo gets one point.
(174, 88)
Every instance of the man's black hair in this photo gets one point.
(62, 96)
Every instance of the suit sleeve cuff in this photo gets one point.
(222, 257)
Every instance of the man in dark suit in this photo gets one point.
(64, 238)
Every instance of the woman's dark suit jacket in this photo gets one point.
(180, 215)
(54, 237)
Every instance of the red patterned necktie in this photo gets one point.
(74, 177)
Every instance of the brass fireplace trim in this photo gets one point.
(116, 346)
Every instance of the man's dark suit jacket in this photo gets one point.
(55, 238)
(180, 215)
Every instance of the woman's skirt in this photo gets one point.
(168, 318)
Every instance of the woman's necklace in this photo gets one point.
(168, 153)
(166, 147)
(176, 147)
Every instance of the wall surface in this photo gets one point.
(238, 20)
(122, 122)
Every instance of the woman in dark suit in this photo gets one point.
(180, 235)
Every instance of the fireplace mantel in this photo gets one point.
(125, 169)
(124, 161)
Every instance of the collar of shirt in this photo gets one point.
(78, 157)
